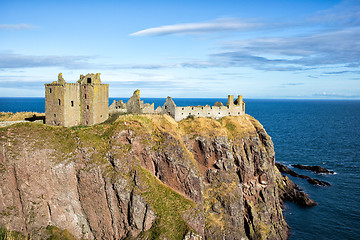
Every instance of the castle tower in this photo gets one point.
(81, 103)
(230, 100)
(94, 99)
(240, 102)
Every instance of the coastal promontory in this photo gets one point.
(143, 177)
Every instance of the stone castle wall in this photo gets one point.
(232, 108)
(83, 103)
(100, 103)
(208, 111)
(87, 103)
(54, 104)
(136, 106)
(71, 105)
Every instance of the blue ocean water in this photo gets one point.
(310, 132)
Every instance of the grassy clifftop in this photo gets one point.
(140, 176)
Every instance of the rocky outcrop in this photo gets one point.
(145, 177)
(313, 181)
(316, 169)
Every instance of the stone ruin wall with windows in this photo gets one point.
(136, 106)
(232, 108)
(86, 102)
(71, 104)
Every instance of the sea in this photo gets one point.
(308, 132)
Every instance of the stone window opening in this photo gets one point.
(238, 112)
(54, 115)
(85, 96)
(182, 113)
(49, 90)
(219, 113)
(101, 116)
(59, 102)
(229, 113)
(182, 109)
(87, 106)
(192, 108)
(165, 107)
(202, 107)
(227, 107)
(72, 103)
(89, 80)
(209, 113)
(189, 113)
(198, 113)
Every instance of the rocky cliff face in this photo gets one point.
(143, 176)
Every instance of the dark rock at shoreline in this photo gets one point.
(284, 169)
(316, 169)
(289, 191)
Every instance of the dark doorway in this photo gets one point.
(89, 80)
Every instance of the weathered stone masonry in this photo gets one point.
(217, 111)
(136, 106)
(86, 102)
(82, 103)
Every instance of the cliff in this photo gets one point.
(144, 177)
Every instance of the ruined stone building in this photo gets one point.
(232, 108)
(136, 106)
(86, 102)
(82, 103)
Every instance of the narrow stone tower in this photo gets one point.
(83, 103)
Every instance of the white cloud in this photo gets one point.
(218, 25)
(12, 60)
(20, 26)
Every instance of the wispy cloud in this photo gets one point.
(345, 13)
(335, 95)
(296, 53)
(20, 26)
(293, 84)
(218, 25)
(12, 60)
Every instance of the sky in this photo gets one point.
(299, 49)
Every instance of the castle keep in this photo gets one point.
(86, 102)
(82, 103)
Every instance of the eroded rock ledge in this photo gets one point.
(144, 176)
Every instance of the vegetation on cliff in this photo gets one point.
(142, 176)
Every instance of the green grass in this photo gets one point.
(58, 234)
(6, 234)
(168, 206)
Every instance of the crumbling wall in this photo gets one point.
(136, 106)
(169, 107)
(208, 111)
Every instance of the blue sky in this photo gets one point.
(260, 49)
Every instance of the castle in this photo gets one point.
(87, 103)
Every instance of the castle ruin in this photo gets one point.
(136, 106)
(232, 108)
(85, 102)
